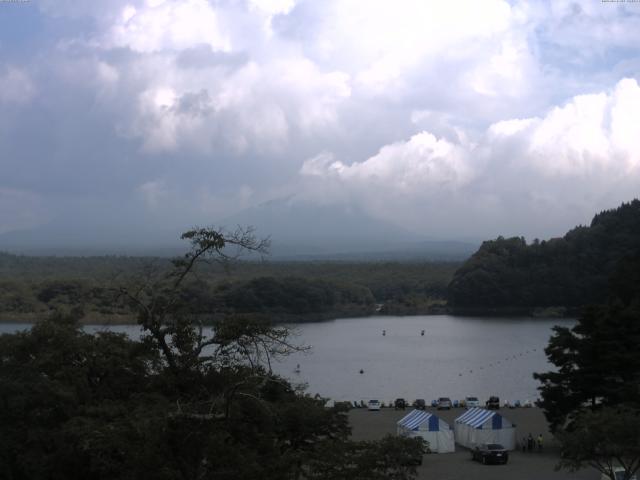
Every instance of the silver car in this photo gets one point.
(373, 405)
(471, 402)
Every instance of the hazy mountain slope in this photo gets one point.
(302, 230)
(299, 230)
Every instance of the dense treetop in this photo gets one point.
(591, 397)
(571, 271)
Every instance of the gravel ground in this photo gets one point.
(458, 466)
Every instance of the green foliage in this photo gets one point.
(56, 380)
(391, 458)
(597, 360)
(103, 407)
(294, 296)
(591, 399)
(603, 439)
(571, 271)
(299, 291)
(598, 363)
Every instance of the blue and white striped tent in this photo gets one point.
(478, 425)
(437, 432)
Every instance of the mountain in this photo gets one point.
(307, 231)
(571, 271)
(299, 230)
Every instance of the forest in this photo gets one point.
(31, 287)
(567, 272)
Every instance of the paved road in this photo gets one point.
(458, 466)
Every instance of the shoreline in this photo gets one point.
(95, 318)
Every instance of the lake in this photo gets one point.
(456, 357)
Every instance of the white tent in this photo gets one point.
(478, 425)
(434, 430)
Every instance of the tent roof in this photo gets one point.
(476, 417)
(414, 419)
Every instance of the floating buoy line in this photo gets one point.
(506, 360)
(481, 367)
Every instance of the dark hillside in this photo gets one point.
(571, 271)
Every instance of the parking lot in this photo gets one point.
(368, 425)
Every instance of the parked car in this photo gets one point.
(618, 473)
(444, 403)
(373, 405)
(400, 404)
(471, 402)
(490, 453)
(420, 404)
(493, 403)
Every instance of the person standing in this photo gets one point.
(540, 442)
(523, 444)
(530, 442)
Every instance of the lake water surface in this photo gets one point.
(456, 357)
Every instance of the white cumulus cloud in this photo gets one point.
(167, 25)
(579, 157)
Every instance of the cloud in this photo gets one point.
(16, 86)
(586, 136)
(422, 162)
(579, 156)
(426, 113)
(166, 25)
(153, 192)
(19, 209)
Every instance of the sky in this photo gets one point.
(465, 119)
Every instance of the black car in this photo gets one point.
(493, 403)
(490, 453)
(400, 404)
(420, 404)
